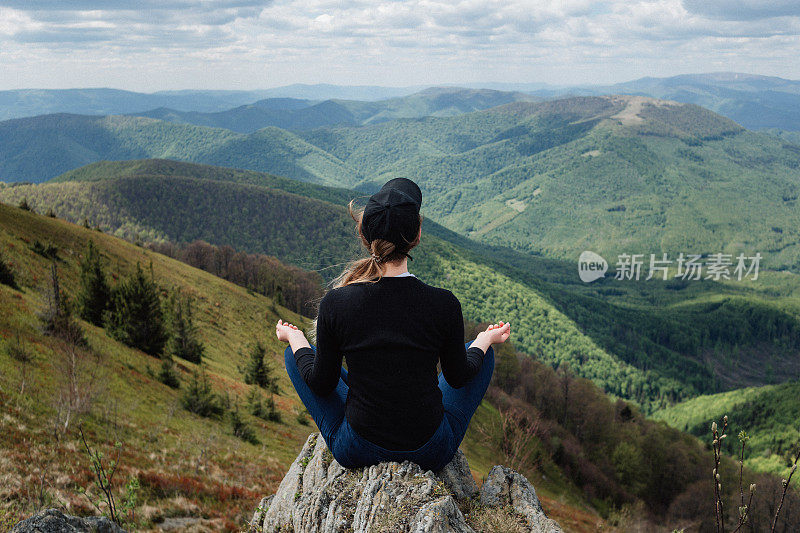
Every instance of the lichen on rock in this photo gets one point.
(318, 495)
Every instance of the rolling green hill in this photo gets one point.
(435, 101)
(654, 344)
(185, 209)
(769, 414)
(751, 100)
(168, 167)
(612, 174)
(75, 140)
(619, 174)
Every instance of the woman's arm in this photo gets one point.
(460, 364)
(321, 369)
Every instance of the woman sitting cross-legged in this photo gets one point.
(392, 329)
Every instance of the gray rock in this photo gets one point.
(504, 486)
(318, 495)
(261, 510)
(54, 521)
(458, 477)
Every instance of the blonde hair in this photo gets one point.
(381, 252)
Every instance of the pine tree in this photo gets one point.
(200, 399)
(258, 371)
(135, 315)
(94, 295)
(240, 428)
(258, 407)
(273, 414)
(183, 341)
(56, 317)
(167, 374)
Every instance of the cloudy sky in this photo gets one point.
(149, 45)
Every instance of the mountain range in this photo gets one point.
(754, 101)
(296, 114)
(616, 174)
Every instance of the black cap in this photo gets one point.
(392, 214)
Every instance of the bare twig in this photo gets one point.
(786, 483)
(104, 480)
(744, 510)
(716, 445)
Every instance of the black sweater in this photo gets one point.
(392, 333)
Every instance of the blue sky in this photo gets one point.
(149, 45)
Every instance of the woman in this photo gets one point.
(392, 329)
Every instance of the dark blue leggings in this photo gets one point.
(353, 451)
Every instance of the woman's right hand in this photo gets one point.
(290, 333)
(498, 333)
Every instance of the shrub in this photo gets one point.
(119, 510)
(302, 417)
(265, 410)
(240, 428)
(167, 374)
(48, 250)
(7, 275)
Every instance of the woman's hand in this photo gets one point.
(290, 333)
(284, 329)
(494, 334)
(498, 333)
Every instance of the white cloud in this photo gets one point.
(151, 45)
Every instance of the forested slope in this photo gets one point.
(655, 354)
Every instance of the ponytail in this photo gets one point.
(380, 251)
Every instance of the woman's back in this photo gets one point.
(391, 334)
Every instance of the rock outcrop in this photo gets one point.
(54, 521)
(318, 495)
